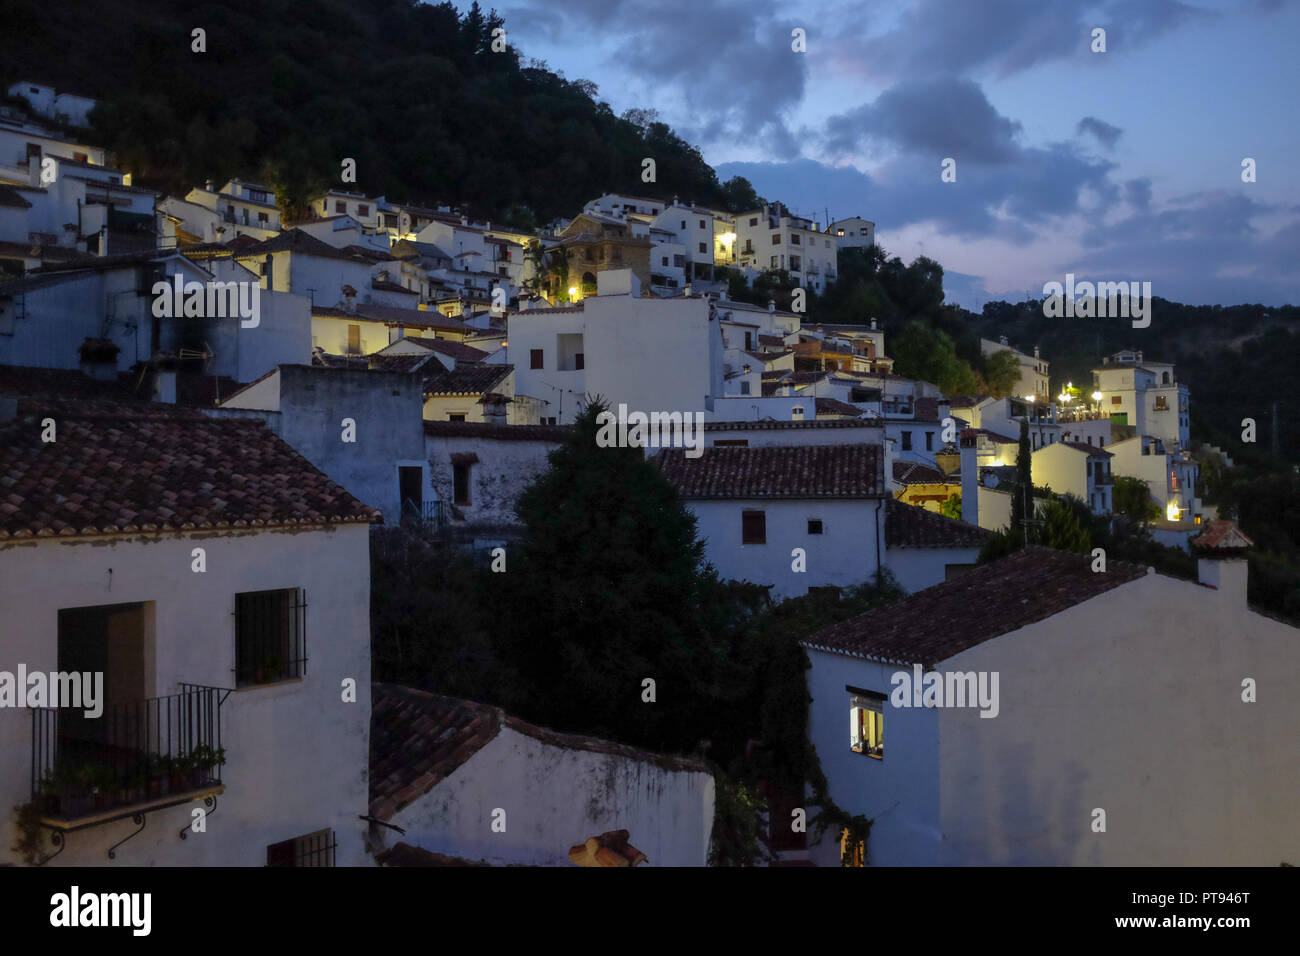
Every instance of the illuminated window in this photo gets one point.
(867, 723)
(852, 852)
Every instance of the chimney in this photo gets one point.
(1139, 356)
(948, 458)
(873, 325)
(771, 306)
(1036, 355)
(494, 409)
(1221, 560)
(207, 184)
(103, 240)
(686, 290)
(970, 480)
(99, 359)
(164, 386)
(1002, 340)
(349, 299)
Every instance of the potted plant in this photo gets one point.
(101, 786)
(155, 772)
(178, 773)
(77, 790)
(204, 758)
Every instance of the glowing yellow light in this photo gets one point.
(1096, 396)
(1172, 511)
(573, 292)
(728, 237)
(1029, 398)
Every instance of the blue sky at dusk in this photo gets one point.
(1117, 165)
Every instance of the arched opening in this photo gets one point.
(588, 283)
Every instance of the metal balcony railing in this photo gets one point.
(133, 753)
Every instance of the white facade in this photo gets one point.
(1146, 395)
(853, 232)
(245, 208)
(295, 754)
(1130, 702)
(1068, 469)
(768, 242)
(1034, 370)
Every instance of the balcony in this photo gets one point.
(136, 756)
(431, 514)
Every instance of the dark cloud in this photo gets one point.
(1100, 130)
(1002, 37)
(1137, 193)
(730, 63)
(944, 116)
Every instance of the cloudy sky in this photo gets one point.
(1125, 164)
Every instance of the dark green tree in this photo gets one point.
(1022, 489)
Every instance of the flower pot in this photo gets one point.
(178, 781)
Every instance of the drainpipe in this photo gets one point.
(879, 566)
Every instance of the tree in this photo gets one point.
(1131, 499)
(1060, 528)
(1022, 489)
(604, 594)
(738, 195)
(1002, 372)
(952, 507)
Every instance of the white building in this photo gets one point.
(1170, 475)
(1119, 733)
(60, 107)
(853, 232)
(247, 207)
(220, 586)
(1076, 469)
(768, 239)
(470, 782)
(1146, 395)
(791, 518)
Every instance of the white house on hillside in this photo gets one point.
(218, 584)
(1080, 718)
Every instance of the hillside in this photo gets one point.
(287, 89)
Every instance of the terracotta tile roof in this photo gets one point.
(765, 339)
(909, 526)
(123, 469)
(457, 350)
(1221, 536)
(303, 243)
(551, 433)
(992, 436)
(806, 471)
(608, 849)
(409, 362)
(19, 380)
(380, 286)
(926, 410)
(466, 379)
(767, 424)
(418, 739)
(423, 318)
(982, 603)
(833, 406)
(916, 473)
(405, 855)
(1093, 451)
(965, 401)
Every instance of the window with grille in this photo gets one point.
(270, 636)
(314, 849)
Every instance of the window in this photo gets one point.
(535, 358)
(579, 361)
(679, 261)
(702, 225)
(753, 527)
(749, 246)
(354, 339)
(1162, 403)
(753, 221)
(257, 195)
(1116, 399)
(776, 260)
(704, 247)
(867, 723)
(796, 413)
(270, 636)
(814, 525)
(683, 223)
(314, 849)
(853, 853)
(776, 238)
(363, 210)
(795, 264)
(549, 421)
(340, 206)
(744, 387)
(665, 258)
(460, 483)
(794, 239)
(263, 218)
(455, 416)
(749, 340)
(929, 441)
(907, 441)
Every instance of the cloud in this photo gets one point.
(729, 64)
(1004, 37)
(1102, 131)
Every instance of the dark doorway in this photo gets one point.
(410, 484)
